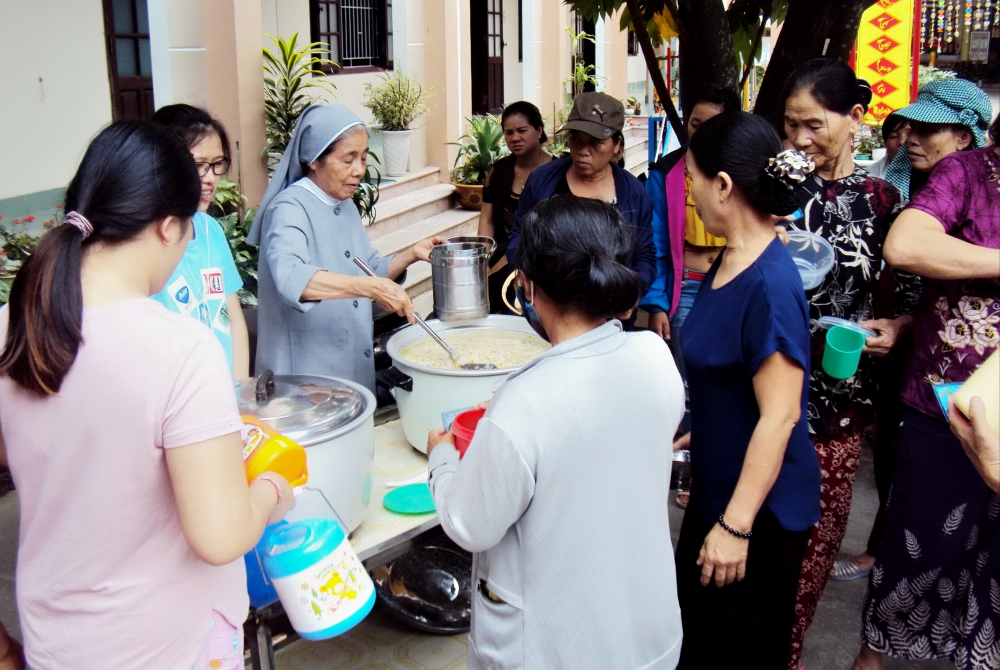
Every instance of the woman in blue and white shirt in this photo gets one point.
(206, 283)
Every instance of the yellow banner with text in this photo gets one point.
(885, 55)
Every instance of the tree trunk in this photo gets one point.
(810, 27)
(711, 59)
(845, 29)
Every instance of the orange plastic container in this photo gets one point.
(265, 449)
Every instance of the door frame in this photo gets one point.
(118, 84)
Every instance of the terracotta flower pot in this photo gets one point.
(469, 196)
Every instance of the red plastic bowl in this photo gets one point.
(464, 427)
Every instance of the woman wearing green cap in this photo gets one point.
(595, 137)
(948, 115)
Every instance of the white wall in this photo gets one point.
(513, 86)
(55, 90)
(285, 17)
(636, 69)
(177, 49)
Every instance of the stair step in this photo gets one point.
(423, 303)
(411, 181)
(446, 224)
(636, 131)
(403, 210)
(418, 279)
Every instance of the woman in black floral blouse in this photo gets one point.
(825, 105)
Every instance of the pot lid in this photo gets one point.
(831, 321)
(300, 406)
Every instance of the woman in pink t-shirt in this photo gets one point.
(119, 424)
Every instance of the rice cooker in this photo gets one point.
(334, 420)
(428, 398)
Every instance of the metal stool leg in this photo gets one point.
(261, 648)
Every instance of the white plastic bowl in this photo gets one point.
(814, 256)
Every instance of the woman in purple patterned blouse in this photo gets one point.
(934, 590)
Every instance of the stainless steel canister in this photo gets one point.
(458, 271)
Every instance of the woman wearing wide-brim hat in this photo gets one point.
(948, 115)
(595, 128)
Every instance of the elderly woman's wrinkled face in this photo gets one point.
(930, 142)
(817, 132)
(340, 171)
(590, 155)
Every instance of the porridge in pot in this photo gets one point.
(502, 348)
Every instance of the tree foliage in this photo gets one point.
(288, 74)
(719, 44)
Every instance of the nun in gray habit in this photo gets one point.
(315, 304)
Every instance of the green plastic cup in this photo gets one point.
(842, 352)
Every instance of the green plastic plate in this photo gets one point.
(412, 499)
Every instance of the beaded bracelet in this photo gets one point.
(733, 531)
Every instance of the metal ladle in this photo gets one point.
(430, 331)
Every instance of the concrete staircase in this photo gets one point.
(637, 146)
(412, 208)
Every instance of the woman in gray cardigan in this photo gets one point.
(315, 304)
(563, 493)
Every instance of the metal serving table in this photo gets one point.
(381, 537)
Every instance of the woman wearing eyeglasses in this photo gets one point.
(206, 282)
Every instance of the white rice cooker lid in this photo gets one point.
(301, 407)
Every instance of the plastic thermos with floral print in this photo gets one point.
(323, 587)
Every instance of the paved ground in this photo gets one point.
(830, 644)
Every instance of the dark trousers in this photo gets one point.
(888, 414)
(748, 624)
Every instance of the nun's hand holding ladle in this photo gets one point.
(390, 296)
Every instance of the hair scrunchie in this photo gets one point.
(790, 167)
(80, 222)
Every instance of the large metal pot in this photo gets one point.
(333, 419)
(459, 270)
(428, 397)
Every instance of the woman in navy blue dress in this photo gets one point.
(755, 475)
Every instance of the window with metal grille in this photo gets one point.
(633, 44)
(358, 33)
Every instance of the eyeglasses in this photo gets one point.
(218, 167)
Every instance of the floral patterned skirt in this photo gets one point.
(935, 589)
(838, 465)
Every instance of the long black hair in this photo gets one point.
(133, 174)
(530, 114)
(741, 145)
(577, 250)
(193, 124)
(832, 83)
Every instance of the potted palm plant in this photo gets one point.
(395, 103)
(477, 151)
(289, 74)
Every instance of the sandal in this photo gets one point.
(846, 571)
(682, 499)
